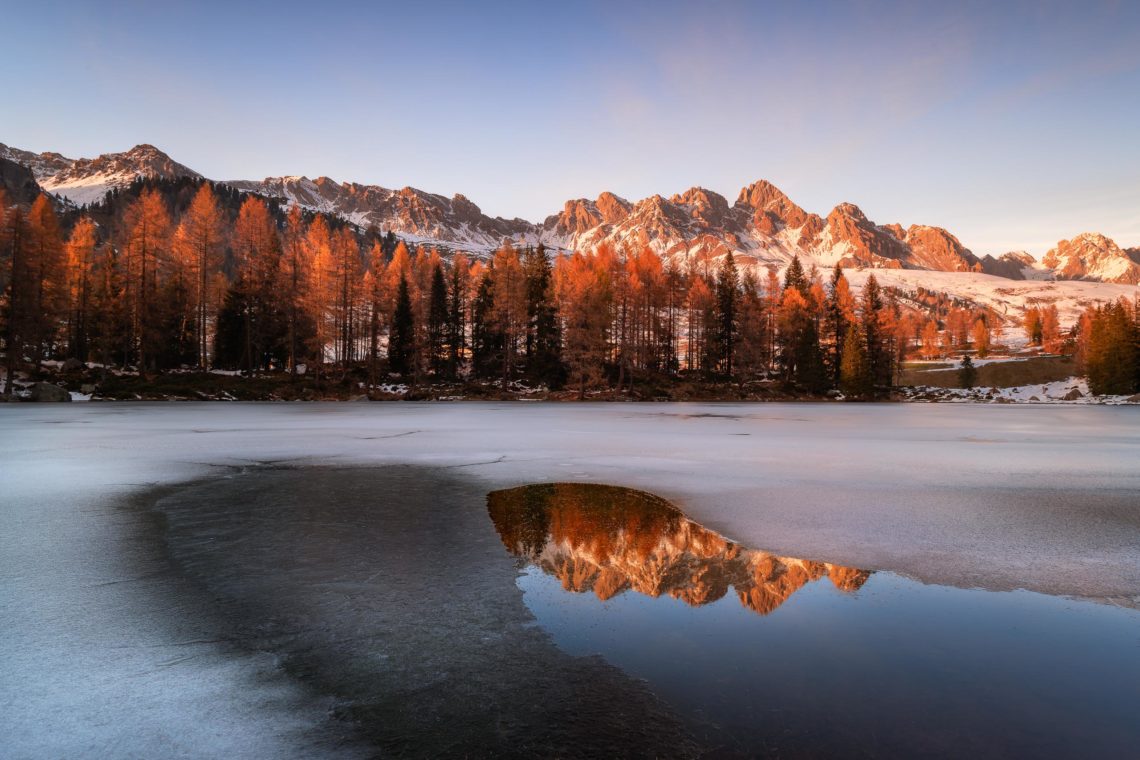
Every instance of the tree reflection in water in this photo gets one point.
(608, 539)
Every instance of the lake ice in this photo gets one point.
(99, 629)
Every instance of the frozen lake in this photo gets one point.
(294, 578)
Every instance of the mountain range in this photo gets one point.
(763, 225)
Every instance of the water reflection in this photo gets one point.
(608, 540)
(902, 669)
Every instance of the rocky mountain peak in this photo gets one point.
(848, 211)
(764, 226)
(707, 208)
(87, 180)
(577, 216)
(1091, 255)
(612, 207)
(935, 248)
(771, 211)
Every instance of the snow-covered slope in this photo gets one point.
(1008, 298)
(86, 180)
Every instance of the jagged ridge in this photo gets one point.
(763, 225)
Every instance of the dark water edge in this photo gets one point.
(389, 592)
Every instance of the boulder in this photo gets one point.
(87, 388)
(72, 364)
(49, 392)
(1073, 395)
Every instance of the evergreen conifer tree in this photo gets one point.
(401, 339)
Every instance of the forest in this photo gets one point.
(189, 276)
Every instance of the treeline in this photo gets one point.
(1108, 347)
(199, 277)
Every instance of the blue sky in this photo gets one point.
(1012, 125)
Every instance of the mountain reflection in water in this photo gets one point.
(609, 539)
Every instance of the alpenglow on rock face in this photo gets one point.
(455, 222)
(608, 540)
(1091, 256)
(763, 226)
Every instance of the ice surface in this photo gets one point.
(1001, 497)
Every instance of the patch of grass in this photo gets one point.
(920, 366)
(1036, 370)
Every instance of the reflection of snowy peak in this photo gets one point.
(608, 540)
(691, 564)
(87, 180)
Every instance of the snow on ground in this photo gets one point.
(1009, 298)
(1073, 390)
(997, 497)
(89, 189)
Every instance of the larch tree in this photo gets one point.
(147, 229)
(582, 288)
(318, 257)
(1031, 323)
(16, 313)
(295, 271)
(930, 340)
(981, 335)
(1050, 322)
(839, 314)
(377, 299)
(46, 294)
(200, 238)
(80, 263)
(347, 276)
(257, 255)
(751, 351)
(509, 306)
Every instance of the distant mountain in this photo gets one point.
(86, 180)
(763, 225)
(414, 214)
(1092, 256)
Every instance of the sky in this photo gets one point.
(1012, 125)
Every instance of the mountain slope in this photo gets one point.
(18, 182)
(86, 180)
